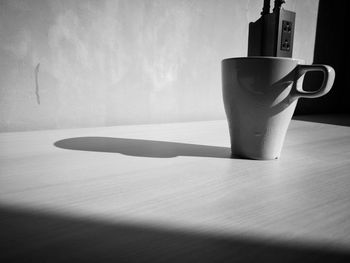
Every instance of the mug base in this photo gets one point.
(253, 157)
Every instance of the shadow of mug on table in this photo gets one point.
(260, 95)
(142, 148)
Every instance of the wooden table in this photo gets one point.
(170, 193)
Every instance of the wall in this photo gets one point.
(330, 49)
(93, 63)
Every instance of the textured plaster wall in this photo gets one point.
(93, 63)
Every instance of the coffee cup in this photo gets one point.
(260, 95)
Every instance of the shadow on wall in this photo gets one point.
(329, 49)
(142, 148)
(29, 236)
(335, 119)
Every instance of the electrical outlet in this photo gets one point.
(286, 39)
(273, 33)
(285, 34)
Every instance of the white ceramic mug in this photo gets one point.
(260, 95)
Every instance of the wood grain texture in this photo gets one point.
(172, 189)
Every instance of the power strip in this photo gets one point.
(273, 33)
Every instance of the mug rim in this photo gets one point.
(265, 57)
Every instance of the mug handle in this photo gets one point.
(328, 80)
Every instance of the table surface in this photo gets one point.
(171, 192)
